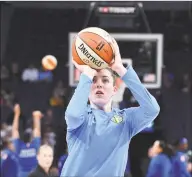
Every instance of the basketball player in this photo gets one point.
(161, 162)
(61, 161)
(180, 161)
(27, 148)
(98, 135)
(9, 161)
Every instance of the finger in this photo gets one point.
(75, 63)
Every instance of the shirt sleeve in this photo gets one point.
(140, 117)
(36, 142)
(16, 143)
(77, 108)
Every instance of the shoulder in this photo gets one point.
(159, 157)
(63, 157)
(33, 174)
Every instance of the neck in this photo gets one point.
(107, 107)
(45, 169)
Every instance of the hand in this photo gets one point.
(117, 65)
(87, 70)
(37, 114)
(17, 110)
(189, 167)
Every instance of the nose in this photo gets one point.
(99, 84)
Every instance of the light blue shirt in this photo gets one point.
(98, 141)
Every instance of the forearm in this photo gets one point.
(141, 94)
(15, 126)
(36, 126)
(78, 103)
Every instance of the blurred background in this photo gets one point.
(31, 30)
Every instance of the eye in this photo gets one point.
(94, 80)
(105, 80)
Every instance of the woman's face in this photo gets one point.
(103, 88)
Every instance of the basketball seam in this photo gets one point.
(50, 62)
(77, 52)
(91, 48)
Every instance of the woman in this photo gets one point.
(161, 162)
(98, 136)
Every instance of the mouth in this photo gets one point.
(99, 93)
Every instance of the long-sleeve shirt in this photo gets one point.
(98, 141)
(160, 166)
(180, 165)
(9, 164)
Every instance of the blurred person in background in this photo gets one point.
(56, 100)
(60, 89)
(9, 160)
(62, 160)
(49, 137)
(180, 161)
(15, 73)
(161, 161)
(30, 74)
(45, 160)
(27, 148)
(4, 73)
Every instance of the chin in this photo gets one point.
(99, 102)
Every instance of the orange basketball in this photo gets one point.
(49, 62)
(92, 47)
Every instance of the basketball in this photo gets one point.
(91, 47)
(49, 62)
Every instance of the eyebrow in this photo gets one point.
(105, 76)
(101, 76)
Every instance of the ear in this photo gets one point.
(115, 89)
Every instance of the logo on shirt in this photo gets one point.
(117, 119)
(4, 156)
(24, 153)
(182, 158)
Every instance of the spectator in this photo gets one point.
(56, 99)
(49, 137)
(45, 75)
(30, 74)
(8, 98)
(15, 72)
(59, 89)
(4, 73)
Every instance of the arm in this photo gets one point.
(141, 116)
(77, 107)
(37, 115)
(15, 126)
